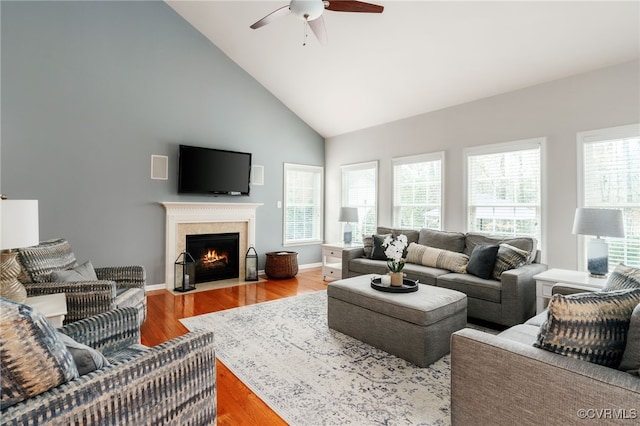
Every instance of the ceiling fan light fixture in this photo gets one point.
(307, 10)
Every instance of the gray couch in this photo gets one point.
(508, 301)
(504, 380)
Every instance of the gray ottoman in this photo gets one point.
(413, 326)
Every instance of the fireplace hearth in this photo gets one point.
(217, 256)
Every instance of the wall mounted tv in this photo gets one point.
(213, 171)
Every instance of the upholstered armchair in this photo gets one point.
(115, 287)
(173, 383)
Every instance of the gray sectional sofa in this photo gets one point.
(507, 301)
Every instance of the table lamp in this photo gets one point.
(18, 228)
(348, 215)
(598, 223)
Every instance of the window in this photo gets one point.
(417, 191)
(360, 190)
(504, 189)
(609, 177)
(302, 204)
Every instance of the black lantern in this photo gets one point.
(185, 273)
(251, 265)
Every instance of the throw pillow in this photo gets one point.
(85, 357)
(623, 277)
(84, 272)
(509, 257)
(589, 326)
(377, 253)
(39, 261)
(367, 242)
(33, 359)
(631, 356)
(483, 260)
(437, 258)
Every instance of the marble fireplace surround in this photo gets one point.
(206, 218)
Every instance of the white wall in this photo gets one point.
(556, 110)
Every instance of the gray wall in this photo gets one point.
(90, 90)
(556, 110)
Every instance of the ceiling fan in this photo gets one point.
(310, 11)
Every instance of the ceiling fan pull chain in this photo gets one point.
(304, 40)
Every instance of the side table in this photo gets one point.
(547, 279)
(52, 306)
(332, 260)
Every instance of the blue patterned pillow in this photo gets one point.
(623, 277)
(592, 327)
(32, 357)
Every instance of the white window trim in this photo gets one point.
(355, 167)
(598, 135)
(420, 158)
(518, 145)
(303, 167)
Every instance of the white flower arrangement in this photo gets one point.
(394, 251)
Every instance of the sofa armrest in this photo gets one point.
(84, 298)
(347, 255)
(519, 293)
(124, 276)
(502, 382)
(107, 332)
(172, 383)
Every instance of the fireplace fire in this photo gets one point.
(216, 255)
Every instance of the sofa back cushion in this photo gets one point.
(34, 359)
(39, 261)
(631, 357)
(528, 244)
(411, 234)
(452, 241)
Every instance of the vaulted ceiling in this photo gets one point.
(417, 56)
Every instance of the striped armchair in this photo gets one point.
(173, 383)
(116, 287)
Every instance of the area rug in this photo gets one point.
(310, 375)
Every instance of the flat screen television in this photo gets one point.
(213, 171)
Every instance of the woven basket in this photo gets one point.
(281, 264)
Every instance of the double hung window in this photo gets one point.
(360, 190)
(303, 210)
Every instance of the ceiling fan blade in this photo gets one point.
(278, 13)
(352, 6)
(317, 26)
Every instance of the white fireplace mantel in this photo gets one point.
(178, 213)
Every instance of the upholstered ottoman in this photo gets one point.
(414, 326)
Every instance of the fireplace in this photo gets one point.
(217, 256)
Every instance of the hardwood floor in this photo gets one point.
(237, 405)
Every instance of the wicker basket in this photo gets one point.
(281, 264)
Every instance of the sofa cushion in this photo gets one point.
(631, 356)
(623, 277)
(39, 261)
(589, 326)
(472, 286)
(509, 257)
(33, 358)
(527, 244)
(86, 358)
(437, 258)
(84, 272)
(482, 260)
(452, 241)
(411, 234)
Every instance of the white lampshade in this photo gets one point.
(19, 226)
(348, 214)
(599, 222)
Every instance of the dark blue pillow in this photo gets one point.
(378, 250)
(482, 260)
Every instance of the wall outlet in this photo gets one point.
(279, 204)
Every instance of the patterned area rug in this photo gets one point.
(310, 375)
